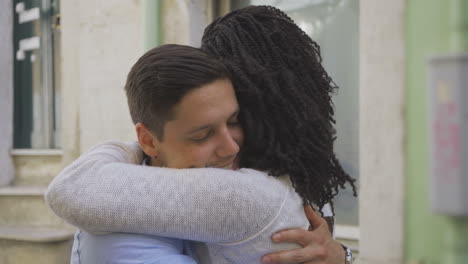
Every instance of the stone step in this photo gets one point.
(25, 206)
(36, 166)
(19, 245)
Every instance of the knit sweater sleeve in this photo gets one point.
(105, 191)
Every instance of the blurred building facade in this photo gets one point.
(64, 66)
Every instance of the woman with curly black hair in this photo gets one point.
(285, 93)
(286, 115)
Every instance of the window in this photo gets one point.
(334, 25)
(36, 86)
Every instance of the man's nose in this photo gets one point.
(228, 145)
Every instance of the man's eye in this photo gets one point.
(201, 138)
(234, 122)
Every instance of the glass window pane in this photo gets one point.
(35, 92)
(334, 25)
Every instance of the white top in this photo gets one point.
(233, 212)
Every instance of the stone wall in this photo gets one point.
(6, 92)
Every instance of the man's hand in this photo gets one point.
(318, 244)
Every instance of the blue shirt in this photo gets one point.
(127, 248)
(130, 248)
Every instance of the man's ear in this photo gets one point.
(148, 142)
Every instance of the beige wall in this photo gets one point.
(101, 40)
(382, 76)
(6, 92)
(175, 21)
(183, 21)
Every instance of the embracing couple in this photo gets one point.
(234, 161)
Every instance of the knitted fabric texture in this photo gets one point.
(233, 212)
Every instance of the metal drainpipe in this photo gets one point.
(151, 23)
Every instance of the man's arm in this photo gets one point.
(102, 192)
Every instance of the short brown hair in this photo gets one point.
(162, 77)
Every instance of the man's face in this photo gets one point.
(205, 131)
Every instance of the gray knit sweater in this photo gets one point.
(233, 212)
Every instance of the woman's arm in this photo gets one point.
(102, 192)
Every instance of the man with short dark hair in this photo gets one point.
(178, 97)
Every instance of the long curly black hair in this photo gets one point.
(285, 102)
